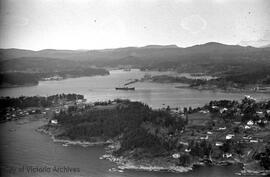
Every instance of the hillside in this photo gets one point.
(195, 58)
(29, 70)
(229, 61)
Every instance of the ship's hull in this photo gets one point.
(125, 88)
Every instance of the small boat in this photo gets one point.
(125, 88)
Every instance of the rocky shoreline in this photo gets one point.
(67, 142)
(145, 164)
(125, 163)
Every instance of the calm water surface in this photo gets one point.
(103, 88)
(21, 145)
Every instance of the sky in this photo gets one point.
(99, 24)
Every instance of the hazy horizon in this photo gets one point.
(108, 24)
(134, 47)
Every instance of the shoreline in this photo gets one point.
(67, 142)
(122, 163)
(125, 163)
(6, 86)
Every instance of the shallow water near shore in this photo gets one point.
(21, 145)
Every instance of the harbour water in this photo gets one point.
(100, 88)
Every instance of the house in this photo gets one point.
(187, 150)
(247, 127)
(219, 144)
(209, 133)
(253, 141)
(250, 122)
(214, 107)
(259, 112)
(54, 121)
(222, 128)
(249, 97)
(246, 137)
(183, 143)
(204, 111)
(223, 110)
(204, 138)
(176, 155)
(229, 136)
(227, 155)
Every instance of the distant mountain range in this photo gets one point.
(170, 51)
(210, 57)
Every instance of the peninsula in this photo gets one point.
(220, 133)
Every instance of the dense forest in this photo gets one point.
(37, 101)
(231, 80)
(18, 78)
(25, 78)
(125, 119)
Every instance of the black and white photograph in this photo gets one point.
(134, 88)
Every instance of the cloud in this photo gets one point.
(194, 24)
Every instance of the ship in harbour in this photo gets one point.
(125, 88)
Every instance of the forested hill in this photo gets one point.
(199, 58)
(225, 61)
(29, 70)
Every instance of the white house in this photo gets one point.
(247, 127)
(227, 155)
(214, 107)
(250, 98)
(183, 143)
(204, 111)
(204, 138)
(219, 144)
(253, 141)
(250, 122)
(222, 128)
(187, 150)
(229, 136)
(223, 110)
(176, 155)
(54, 121)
